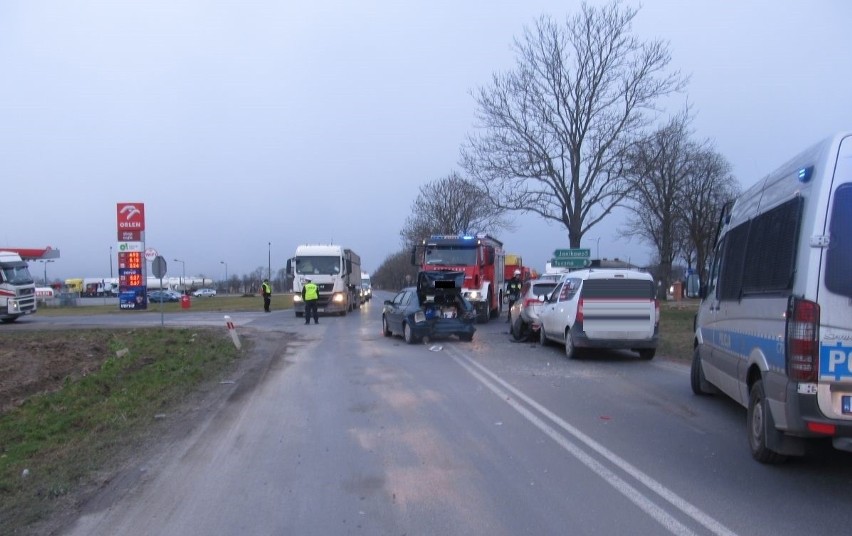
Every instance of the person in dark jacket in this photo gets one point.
(310, 295)
(513, 292)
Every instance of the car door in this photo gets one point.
(397, 310)
(548, 311)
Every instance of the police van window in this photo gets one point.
(733, 256)
(760, 255)
(770, 261)
(838, 264)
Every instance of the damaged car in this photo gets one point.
(433, 308)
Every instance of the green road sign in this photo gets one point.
(577, 253)
(569, 263)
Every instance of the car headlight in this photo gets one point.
(297, 298)
(420, 316)
(473, 295)
(338, 298)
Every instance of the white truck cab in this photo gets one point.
(17, 288)
(774, 327)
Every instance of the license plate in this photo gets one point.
(846, 405)
(320, 309)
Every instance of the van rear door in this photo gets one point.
(835, 294)
(618, 308)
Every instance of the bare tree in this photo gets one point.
(657, 174)
(556, 128)
(708, 188)
(450, 205)
(396, 271)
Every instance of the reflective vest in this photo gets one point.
(311, 291)
(267, 288)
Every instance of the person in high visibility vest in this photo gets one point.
(310, 295)
(266, 290)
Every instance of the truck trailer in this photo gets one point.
(335, 270)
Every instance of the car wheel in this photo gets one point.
(517, 331)
(700, 385)
(647, 353)
(466, 337)
(385, 329)
(299, 315)
(570, 350)
(758, 422)
(408, 333)
(542, 338)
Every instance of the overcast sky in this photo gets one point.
(242, 123)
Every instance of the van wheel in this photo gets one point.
(758, 420)
(700, 385)
(466, 337)
(647, 353)
(570, 350)
(385, 329)
(408, 334)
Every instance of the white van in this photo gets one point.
(602, 308)
(774, 327)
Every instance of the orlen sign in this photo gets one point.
(130, 216)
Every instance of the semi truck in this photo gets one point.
(479, 256)
(17, 288)
(335, 270)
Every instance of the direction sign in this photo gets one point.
(576, 253)
(563, 262)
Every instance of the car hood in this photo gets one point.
(439, 283)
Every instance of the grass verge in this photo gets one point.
(57, 442)
(676, 331)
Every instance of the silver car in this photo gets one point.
(524, 312)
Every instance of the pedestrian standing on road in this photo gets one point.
(310, 295)
(266, 290)
(513, 292)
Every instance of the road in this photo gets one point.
(360, 434)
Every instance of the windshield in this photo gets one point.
(451, 256)
(318, 265)
(16, 273)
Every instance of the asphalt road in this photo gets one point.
(355, 433)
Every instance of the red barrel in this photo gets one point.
(185, 302)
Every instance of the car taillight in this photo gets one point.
(529, 302)
(656, 312)
(802, 340)
(580, 310)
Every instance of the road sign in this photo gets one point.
(158, 267)
(576, 253)
(563, 262)
(150, 254)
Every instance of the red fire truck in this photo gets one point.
(479, 256)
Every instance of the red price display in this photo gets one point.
(130, 259)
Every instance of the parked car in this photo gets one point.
(160, 296)
(602, 308)
(524, 312)
(435, 307)
(204, 293)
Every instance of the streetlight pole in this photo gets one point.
(226, 275)
(269, 261)
(598, 239)
(183, 271)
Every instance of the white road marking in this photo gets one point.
(503, 389)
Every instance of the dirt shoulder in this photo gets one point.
(38, 362)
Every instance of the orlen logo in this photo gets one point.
(131, 216)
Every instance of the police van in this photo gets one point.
(774, 326)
